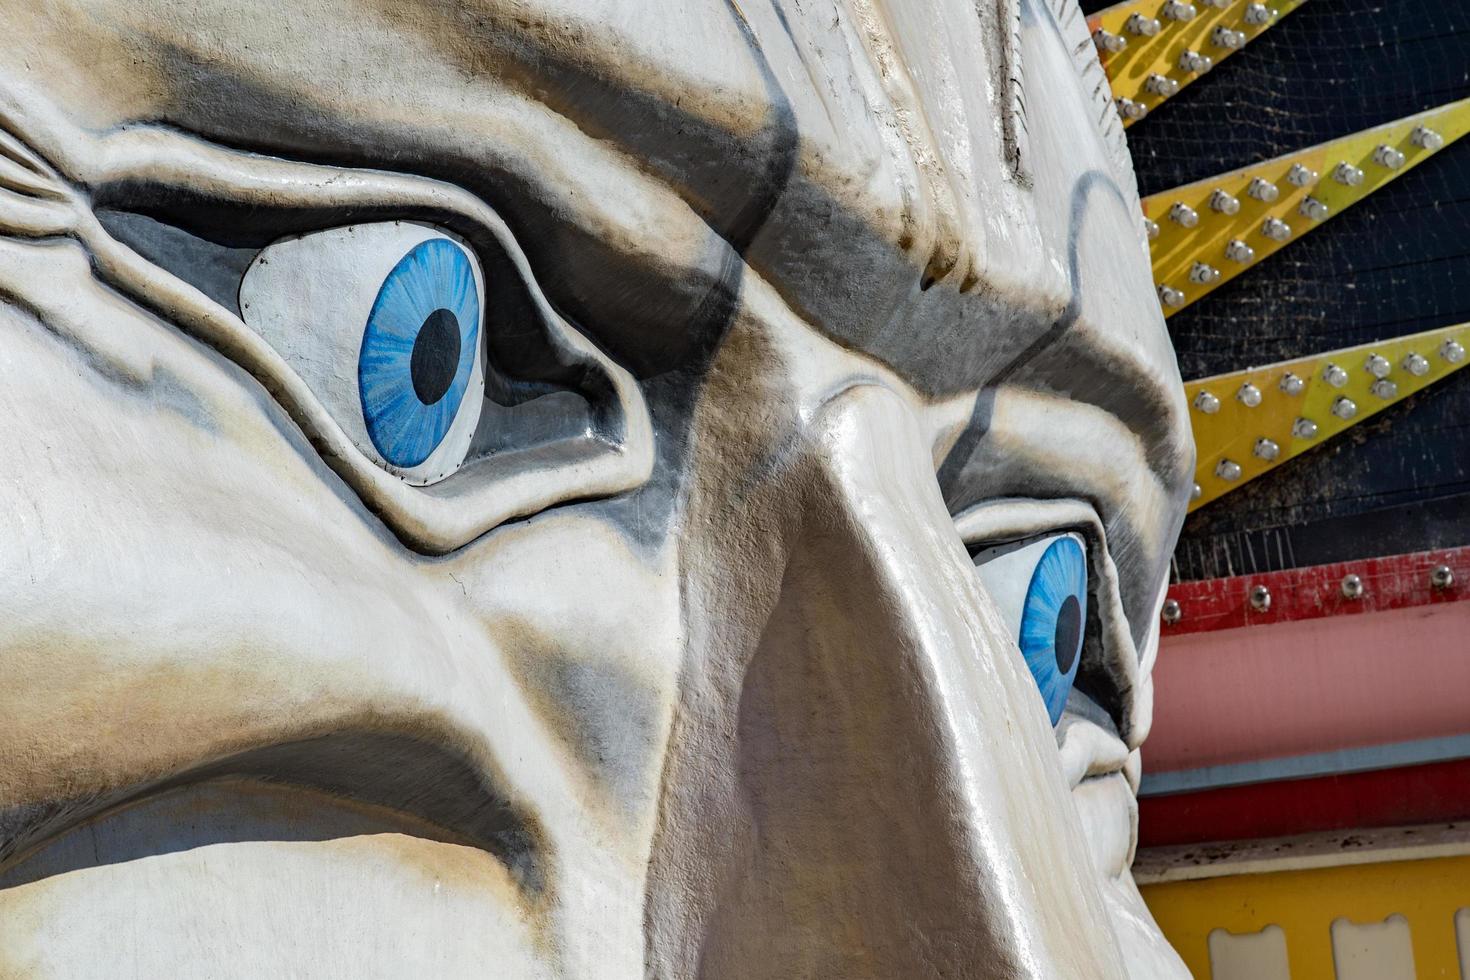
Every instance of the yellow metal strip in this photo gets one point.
(1304, 904)
(1210, 231)
(1151, 49)
(1249, 422)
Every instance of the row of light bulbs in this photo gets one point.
(1273, 228)
(1416, 364)
(1190, 61)
(1179, 12)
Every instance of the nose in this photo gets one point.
(892, 802)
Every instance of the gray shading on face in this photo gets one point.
(562, 489)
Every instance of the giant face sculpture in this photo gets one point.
(562, 489)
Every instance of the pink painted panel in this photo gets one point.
(1310, 686)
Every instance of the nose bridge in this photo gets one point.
(907, 813)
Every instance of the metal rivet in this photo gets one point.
(1196, 63)
(1334, 375)
(1263, 190)
(1300, 176)
(1203, 274)
(1142, 26)
(1377, 365)
(1257, 15)
(1266, 449)
(1416, 364)
(1108, 41)
(1387, 156)
(1196, 492)
(1171, 297)
(1314, 209)
(1249, 395)
(1452, 351)
(1161, 85)
(1183, 215)
(1292, 385)
(1178, 11)
(1238, 251)
(1228, 470)
(1352, 587)
(1224, 203)
(1172, 612)
(1276, 229)
(1304, 429)
(1224, 37)
(1129, 109)
(1426, 138)
(1347, 175)
(1151, 228)
(1260, 598)
(1385, 389)
(1441, 577)
(1344, 408)
(1207, 403)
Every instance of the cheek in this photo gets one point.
(1108, 814)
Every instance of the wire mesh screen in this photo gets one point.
(1397, 263)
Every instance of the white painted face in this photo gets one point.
(613, 490)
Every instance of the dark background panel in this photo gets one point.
(1393, 265)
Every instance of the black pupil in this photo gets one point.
(1069, 633)
(435, 356)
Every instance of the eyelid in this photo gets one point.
(127, 166)
(1116, 658)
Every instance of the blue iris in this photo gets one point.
(418, 350)
(1053, 619)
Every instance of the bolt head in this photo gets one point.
(1109, 42)
(1249, 395)
(1183, 215)
(1416, 364)
(1347, 174)
(1238, 251)
(1224, 37)
(1292, 385)
(1206, 403)
(1426, 138)
(1203, 274)
(1352, 587)
(1257, 15)
(1228, 470)
(1196, 492)
(1276, 229)
(1193, 61)
(1441, 577)
(1260, 598)
(1171, 297)
(1314, 209)
(1388, 157)
(1263, 190)
(1142, 26)
(1452, 351)
(1377, 365)
(1179, 11)
(1266, 449)
(1344, 408)
(1224, 203)
(1172, 612)
(1300, 176)
(1385, 389)
(1304, 429)
(1334, 375)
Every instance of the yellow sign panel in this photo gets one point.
(1305, 904)
(1248, 422)
(1211, 231)
(1151, 49)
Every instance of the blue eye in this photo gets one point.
(1053, 619)
(1041, 591)
(419, 348)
